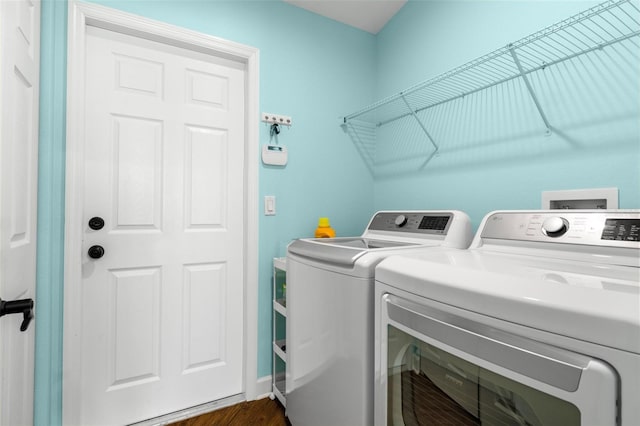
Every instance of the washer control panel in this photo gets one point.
(414, 222)
(620, 228)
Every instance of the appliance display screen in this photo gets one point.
(436, 223)
(621, 230)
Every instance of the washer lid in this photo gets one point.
(598, 303)
(343, 251)
(363, 243)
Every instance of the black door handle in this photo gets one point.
(96, 252)
(23, 306)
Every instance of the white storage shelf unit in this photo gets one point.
(416, 113)
(279, 329)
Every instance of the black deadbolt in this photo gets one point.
(96, 252)
(96, 223)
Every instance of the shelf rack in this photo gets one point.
(596, 28)
(279, 340)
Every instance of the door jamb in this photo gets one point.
(82, 15)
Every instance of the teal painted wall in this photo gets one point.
(311, 68)
(50, 269)
(316, 70)
(493, 152)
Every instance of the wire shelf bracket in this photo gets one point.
(424, 129)
(530, 89)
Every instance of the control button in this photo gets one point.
(401, 220)
(555, 226)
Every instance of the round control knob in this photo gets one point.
(95, 252)
(401, 220)
(554, 226)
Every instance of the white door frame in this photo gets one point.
(82, 15)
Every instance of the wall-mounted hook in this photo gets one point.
(283, 120)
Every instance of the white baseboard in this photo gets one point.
(263, 387)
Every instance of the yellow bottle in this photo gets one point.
(324, 229)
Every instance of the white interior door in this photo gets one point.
(19, 95)
(162, 309)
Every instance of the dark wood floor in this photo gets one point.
(263, 412)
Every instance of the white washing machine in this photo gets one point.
(538, 323)
(330, 283)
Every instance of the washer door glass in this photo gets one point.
(427, 386)
(449, 366)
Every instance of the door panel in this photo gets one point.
(134, 339)
(204, 321)
(205, 175)
(162, 317)
(19, 94)
(137, 169)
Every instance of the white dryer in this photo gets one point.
(538, 323)
(330, 284)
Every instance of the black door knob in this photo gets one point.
(96, 252)
(96, 223)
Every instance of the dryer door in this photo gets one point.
(445, 369)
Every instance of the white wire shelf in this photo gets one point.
(608, 23)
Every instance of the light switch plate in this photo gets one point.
(269, 205)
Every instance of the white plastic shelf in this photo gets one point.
(279, 348)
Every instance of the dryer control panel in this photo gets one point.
(413, 222)
(619, 228)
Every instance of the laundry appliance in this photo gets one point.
(537, 323)
(330, 286)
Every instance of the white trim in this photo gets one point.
(82, 15)
(192, 412)
(264, 388)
